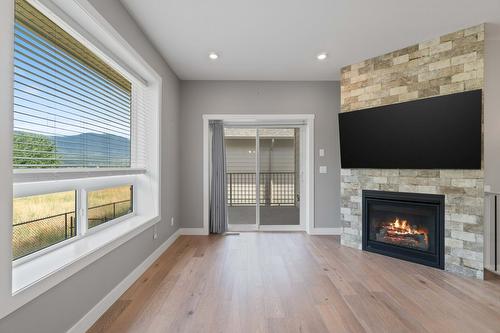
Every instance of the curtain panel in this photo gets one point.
(218, 188)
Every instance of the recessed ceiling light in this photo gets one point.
(213, 55)
(322, 56)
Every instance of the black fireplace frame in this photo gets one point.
(413, 255)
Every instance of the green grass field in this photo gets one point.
(31, 237)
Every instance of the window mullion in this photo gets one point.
(82, 212)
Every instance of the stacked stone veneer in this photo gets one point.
(448, 64)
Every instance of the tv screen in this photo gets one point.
(441, 132)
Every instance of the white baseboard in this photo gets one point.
(98, 310)
(193, 231)
(253, 227)
(325, 231)
(281, 228)
(242, 227)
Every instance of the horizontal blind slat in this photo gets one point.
(73, 143)
(57, 75)
(47, 52)
(87, 125)
(60, 93)
(67, 114)
(96, 113)
(36, 21)
(53, 127)
(89, 117)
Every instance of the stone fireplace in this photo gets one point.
(448, 64)
(463, 192)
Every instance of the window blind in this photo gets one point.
(140, 118)
(71, 109)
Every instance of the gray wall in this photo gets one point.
(492, 107)
(253, 97)
(62, 306)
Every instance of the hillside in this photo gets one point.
(102, 150)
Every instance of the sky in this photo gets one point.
(56, 95)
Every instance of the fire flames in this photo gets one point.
(402, 227)
(401, 232)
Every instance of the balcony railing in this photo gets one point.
(275, 189)
(34, 235)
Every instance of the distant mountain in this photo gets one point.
(92, 149)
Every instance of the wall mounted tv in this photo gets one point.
(441, 132)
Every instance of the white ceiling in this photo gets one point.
(279, 39)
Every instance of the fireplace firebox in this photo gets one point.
(407, 226)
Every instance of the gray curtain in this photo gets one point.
(218, 208)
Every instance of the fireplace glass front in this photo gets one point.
(404, 225)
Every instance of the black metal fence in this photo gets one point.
(103, 213)
(275, 189)
(34, 235)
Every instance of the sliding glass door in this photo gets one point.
(241, 169)
(279, 186)
(263, 168)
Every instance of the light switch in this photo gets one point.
(322, 169)
(321, 152)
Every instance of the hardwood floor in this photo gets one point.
(292, 282)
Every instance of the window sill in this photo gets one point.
(36, 175)
(38, 275)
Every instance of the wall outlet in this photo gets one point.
(321, 152)
(323, 169)
(155, 233)
(172, 221)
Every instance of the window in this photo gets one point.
(108, 204)
(42, 220)
(85, 124)
(72, 111)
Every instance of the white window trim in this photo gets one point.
(30, 175)
(38, 275)
(98, 228)
(22, 282)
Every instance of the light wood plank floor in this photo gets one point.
(292, 282)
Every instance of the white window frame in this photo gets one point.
(52, 247)
(306, 121)
(85, 209)
(81, 188)
(28, 277)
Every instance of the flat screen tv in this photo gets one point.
(441, 132)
